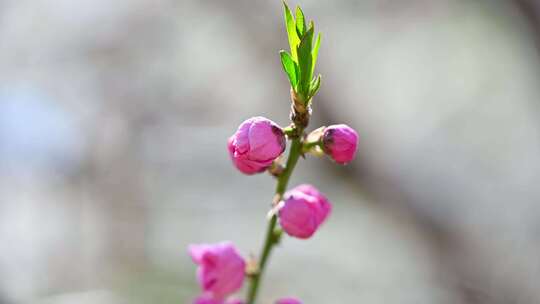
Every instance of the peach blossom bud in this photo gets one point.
(255, 145)
(221, 268)
(339, 142)
(302, 211)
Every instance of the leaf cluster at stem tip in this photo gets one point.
(299, 65)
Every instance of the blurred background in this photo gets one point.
(114, 117)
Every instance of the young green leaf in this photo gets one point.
(300, 22)
(289, 67)
(297, 71)
(315, 53)
(291, 30)
(314, 86)
(305, 62)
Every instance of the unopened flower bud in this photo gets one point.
(302, 211)
(255, 145)
(221, 269)
(207, 299)
(288, 301)
(339, 142)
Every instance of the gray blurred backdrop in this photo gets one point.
(114, 117)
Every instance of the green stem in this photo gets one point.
(307, 146)
(271, 240)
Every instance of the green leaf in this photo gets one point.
(291, 30)
(305, 62)
(300, 22)
(315, 53)
(314, 86)
(289, 67)
(297, 71)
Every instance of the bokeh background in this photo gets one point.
(114, 117)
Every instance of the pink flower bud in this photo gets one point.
(206, 299)
(302, 211)
(255, 145)
(288, 301)
(339, 142)
(221, 268)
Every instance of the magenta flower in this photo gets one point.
(302, 211)
(288, 301)
(221, 268)
(255, 145)
(205, 299)
(339, 142)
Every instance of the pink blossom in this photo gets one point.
(255, 145)
(288, 301)
(221, 268)
(339, 142)
(302, 211)
(206, 299)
